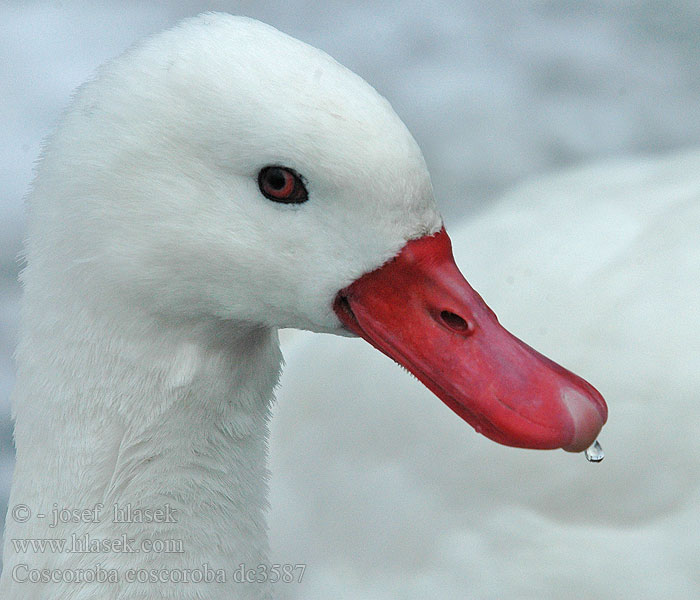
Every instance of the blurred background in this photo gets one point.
(494, 92)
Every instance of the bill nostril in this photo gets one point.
(455, 322)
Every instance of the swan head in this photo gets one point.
(223, 170)
(166, 211)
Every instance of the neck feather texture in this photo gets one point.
(141, 413)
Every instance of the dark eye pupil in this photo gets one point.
(276, 179)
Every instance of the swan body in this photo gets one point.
(598, 266)
(158, 272)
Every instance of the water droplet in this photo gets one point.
(595, 453)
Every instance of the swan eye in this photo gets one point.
(281, 184)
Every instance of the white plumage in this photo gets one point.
(156, 276)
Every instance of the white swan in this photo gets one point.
(216, 182)
(600, 266)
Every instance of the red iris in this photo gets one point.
(282, 184)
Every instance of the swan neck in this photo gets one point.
(149, 414)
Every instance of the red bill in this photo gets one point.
(419, 310)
